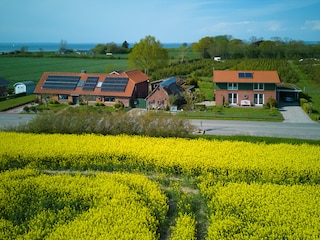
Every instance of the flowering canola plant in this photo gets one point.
(237, 160)
(62, 206)
(252, 191)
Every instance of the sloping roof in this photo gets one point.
(27, 83)
(171, 87)
(136, 75)
(131, 79)
(3, 82)
(245, 76)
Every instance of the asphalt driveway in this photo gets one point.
(293, 113)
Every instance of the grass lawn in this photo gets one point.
(238, 113)
(8, 104)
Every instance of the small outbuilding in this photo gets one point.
(159, 98)
(24, 87)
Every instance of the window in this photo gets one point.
(233, 98)
(232, 86)
(63, 97)
(80, 83)
(258, 98)
(109, 99)
(258, 86)
(99, 84)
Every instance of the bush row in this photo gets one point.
(79, 122)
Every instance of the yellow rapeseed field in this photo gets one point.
(276, 162)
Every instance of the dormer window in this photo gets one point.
(232, 86)
(258, 86)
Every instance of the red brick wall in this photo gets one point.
(159, 99)
(219, 94)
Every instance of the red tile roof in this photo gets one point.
(135, 76)
(231, 76)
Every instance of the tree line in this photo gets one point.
(149, 55)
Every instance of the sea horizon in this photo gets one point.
(54, 46)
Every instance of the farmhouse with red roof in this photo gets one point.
(126, 87)
(245, 87)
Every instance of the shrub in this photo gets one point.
(52, 101)
(99, 104)
(303, 101)
(79, 122)
(307, 107)
(26, 109)
(272, 103)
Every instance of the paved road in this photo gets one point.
(286, 129)
(251, 128)
(14, 119)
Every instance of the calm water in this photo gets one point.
(52, 47)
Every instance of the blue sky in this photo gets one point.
(169, 21)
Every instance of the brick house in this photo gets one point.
(159, 98)
(245, 88)
(108, 89)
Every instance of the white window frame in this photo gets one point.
(234, 98)
(258, 86)
(63, 97)
(232, 86)
(257, 97)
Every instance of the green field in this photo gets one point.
(16, 69)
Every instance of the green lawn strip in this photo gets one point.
(256, 114)
(11, 103)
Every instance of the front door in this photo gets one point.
(75, 100)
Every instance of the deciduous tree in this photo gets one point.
(148, 54)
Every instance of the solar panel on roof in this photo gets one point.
(245, 75)
(248, 75)
(111, 84)
(61, 82)
(90, 84)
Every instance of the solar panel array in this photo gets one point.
(90, 84)
(61, 82)
(111, 84)
(245, 75)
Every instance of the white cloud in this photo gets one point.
(314, 25)
(274, 26)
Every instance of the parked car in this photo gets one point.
(289, 99)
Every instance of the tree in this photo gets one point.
(148, 54)
(183, 49)
(205, 47)
(189, 98)
(125, 44)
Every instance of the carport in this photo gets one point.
(287, 92)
